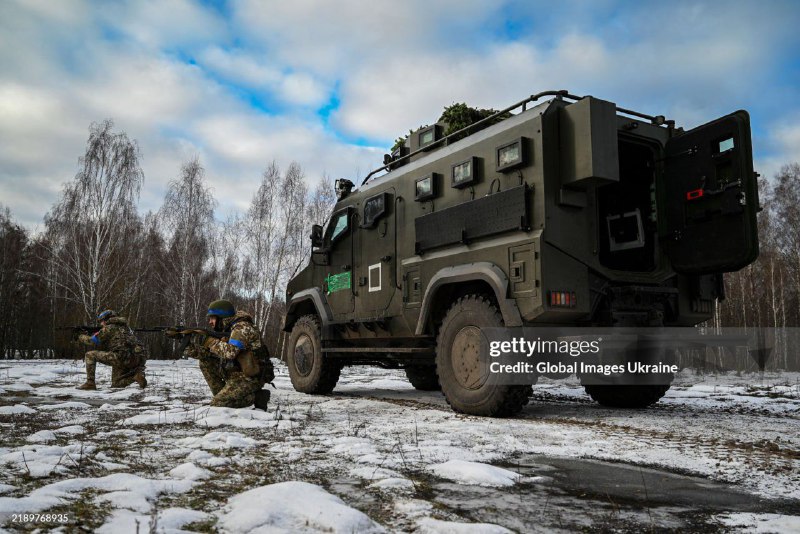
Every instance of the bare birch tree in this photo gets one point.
(227, 258)
(291, 213)
(262, 227)
(90, 229)
(187, 216)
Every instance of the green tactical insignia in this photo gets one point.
(337, 282)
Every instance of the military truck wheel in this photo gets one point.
(423, 378)
(627, 396)
(463, 375)
(309, 371)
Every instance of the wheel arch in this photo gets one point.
(306, 302)
(459, 280)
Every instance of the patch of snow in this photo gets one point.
(100, 393)
(41, 460)
(43, 436)
(374, 473)
(121, 489)
(17, 409)
(189, 471)
(161, 417)
(430, 525)
(218, 440)
(761, 522)
(73, 430)
(206, 458)
(126, 432)
(113, 466)
(393, 483)
(168, 521)
(292, 507)
(6, 488)
(413, 507)
(475, 473)
(18, 387)
(118, 406)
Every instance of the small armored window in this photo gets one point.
(426, 187)
(429, 135)
(511, 155)
(465, 173)
(375, 208)
(725, 145)
(338, 225)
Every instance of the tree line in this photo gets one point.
(97, 251)
(161, 268)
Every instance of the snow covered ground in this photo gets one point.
(376, 455)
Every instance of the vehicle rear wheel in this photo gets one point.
(423, 378)
(627, 396)
(309, 370)
(463, 373)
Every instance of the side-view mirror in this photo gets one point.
(316, 236)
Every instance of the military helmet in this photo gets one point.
(106, 315)
(221, 308)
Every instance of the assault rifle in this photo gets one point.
(185, 334)
(80, 329)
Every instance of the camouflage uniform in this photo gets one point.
(221, 362)
(119, 348)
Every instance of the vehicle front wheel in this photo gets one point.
(463, 373)
(309, 370)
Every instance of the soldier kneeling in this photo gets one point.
(117, 347)
(237, 367)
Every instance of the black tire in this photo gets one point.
(309, 371)
(627, 396)
(462, 376)
(423, 378)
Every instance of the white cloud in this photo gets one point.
(330, 37)
(255, 71)
(249, 71)
(66, 64)
(162, 24)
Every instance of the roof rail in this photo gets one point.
(658, 120)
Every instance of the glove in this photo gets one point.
(209, 342)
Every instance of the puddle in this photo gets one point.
(577, 494)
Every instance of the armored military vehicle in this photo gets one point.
(571, 211)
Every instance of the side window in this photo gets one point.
(338, 226)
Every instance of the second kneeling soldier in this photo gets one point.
(114, 345)
(235, 368)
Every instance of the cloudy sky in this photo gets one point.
(332, 84)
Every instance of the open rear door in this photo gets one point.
(710, 198)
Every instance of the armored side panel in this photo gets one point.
(588, 143)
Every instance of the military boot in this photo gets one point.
(262, 399)
(122, 382)
(140, 379)
(89, 384)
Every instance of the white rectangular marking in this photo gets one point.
(374, 277)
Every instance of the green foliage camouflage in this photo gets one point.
(458, 116)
